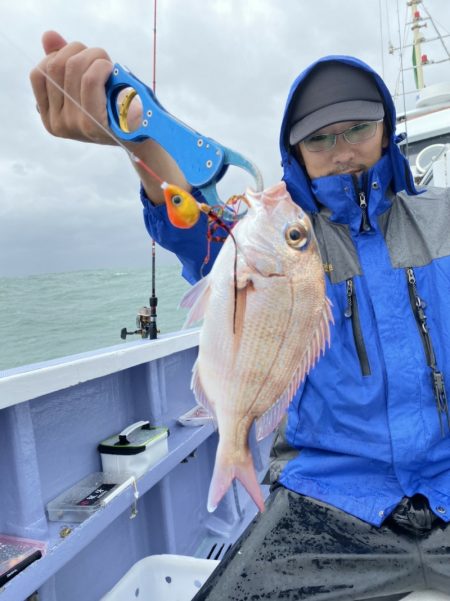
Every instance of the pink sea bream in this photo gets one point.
(265, 324)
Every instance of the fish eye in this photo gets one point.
(177, 200)
(297, 236)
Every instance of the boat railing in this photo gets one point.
(52, 417)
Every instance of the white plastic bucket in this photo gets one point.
(162, 578)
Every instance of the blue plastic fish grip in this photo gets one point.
(200, 159)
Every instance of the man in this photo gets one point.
(361, 470)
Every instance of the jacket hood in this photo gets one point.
(295, 176)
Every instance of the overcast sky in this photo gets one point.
(223, 66)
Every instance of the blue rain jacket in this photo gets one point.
(364, 428)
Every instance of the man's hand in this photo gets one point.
(82, 73)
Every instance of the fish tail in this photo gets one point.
(224, 474)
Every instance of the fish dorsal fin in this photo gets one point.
(196, 300)
(199, 392)
(316, 347)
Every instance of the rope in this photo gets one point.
(386, 12)
(381, 38)
(436, 29)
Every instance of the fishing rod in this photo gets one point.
(203, 161)
(146, 319)
(153, 301)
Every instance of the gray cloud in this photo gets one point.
(223, 66)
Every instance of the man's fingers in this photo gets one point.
(93, 96)
(71, 76)
(78, 65)
(52, 41)
(39, 85)
(56, 67)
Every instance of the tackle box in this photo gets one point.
(134, 450)
(86, 497)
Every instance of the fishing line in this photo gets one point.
(381, 37)
(209, 211)
(436, 29)
(233, 200)
(211, 215)
(388, 21)
(105, 130)
(130, 154)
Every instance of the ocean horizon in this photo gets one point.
(54, 315)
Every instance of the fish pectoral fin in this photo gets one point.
(239, 314)
(244, 274)
(241, 287)
(196, 300)
(199, 392)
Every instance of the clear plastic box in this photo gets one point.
(86, 497)
(163, 578)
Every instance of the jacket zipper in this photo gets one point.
(437, 377)
(365, 226)
(362, 200)
(352, 312)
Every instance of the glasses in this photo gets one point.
(353, 135)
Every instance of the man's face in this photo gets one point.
(343, 157)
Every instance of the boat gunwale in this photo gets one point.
(28, 382)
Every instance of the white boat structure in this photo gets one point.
(52, 418)
(427, 126)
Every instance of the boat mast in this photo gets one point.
(417, 39)
(419, 60)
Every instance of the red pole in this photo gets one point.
(154, 44)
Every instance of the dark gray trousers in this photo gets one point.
(302, 549)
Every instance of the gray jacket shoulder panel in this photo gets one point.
(336, 246)
(417, 228)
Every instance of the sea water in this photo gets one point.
(54, 315)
